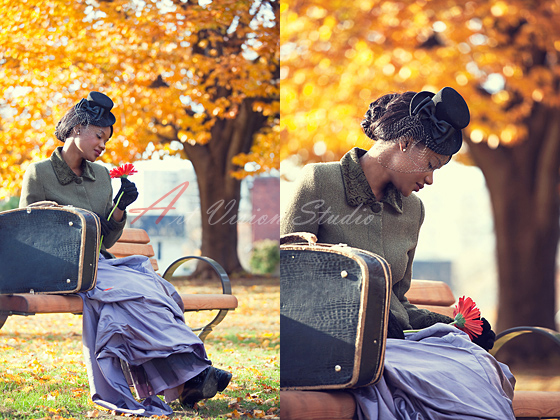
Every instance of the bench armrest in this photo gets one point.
(506, 335)
(226, 289)
(226, 285)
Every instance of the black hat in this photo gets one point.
(443, 116)
(97, 109)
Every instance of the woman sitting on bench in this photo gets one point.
(437, 373)
(132, 314)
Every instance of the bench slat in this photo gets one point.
(317, 405)
(536, 404)
(121, 249)
(321, 404)
(135, 236)
(209, 301)
(27, 303)
(444, 310)
(429, 292)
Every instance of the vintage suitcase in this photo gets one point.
(48, 250)
(334, 309)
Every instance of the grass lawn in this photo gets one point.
(43, 376)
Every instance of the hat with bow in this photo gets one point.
(96, 109)
(443, 115)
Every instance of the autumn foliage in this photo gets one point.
(174, 69)
(338, 56)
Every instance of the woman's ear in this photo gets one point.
(76, 130)
(403, 145)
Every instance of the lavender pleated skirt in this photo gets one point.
(135, 316)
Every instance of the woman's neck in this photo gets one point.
(376, 175)
(72, 158)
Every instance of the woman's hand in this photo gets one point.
(487, 338)
(107, 226)
(129, 194)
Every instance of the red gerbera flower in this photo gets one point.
(123, 171)
(467, 317)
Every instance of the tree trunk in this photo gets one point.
(219, 204)
(523, 185)
(219, 191)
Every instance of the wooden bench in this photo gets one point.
(132, 242)
(435, 296)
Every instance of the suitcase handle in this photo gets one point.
(297, 237)
(45, 203)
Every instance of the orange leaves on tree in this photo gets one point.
(338, 57)
(168, 69)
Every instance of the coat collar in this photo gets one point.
(63, 172)
(356, 185)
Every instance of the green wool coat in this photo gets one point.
(335, 202)
(53, 180)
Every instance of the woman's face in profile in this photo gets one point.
(414, 167)
(91, 141)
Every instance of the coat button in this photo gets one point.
(78, 180)
(376, 207)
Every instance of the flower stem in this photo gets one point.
(109, 218)
(415, 331)
(116, 205)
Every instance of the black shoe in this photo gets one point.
(202, 386)
(224, 378)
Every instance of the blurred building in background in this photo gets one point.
(265, 198)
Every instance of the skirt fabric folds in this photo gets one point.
(135, 316)
(438, 374)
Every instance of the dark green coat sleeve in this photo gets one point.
(31, 190)
(304, 207)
